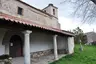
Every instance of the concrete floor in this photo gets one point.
(41, 60)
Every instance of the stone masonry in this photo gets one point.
(29, 12)
(47, 52)
(41, 53)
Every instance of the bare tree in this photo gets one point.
(86, 9)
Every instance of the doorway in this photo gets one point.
(16, 46)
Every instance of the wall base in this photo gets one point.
(41, 53)
(62, 51)
(47, 52)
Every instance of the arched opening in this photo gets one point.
(16, 46)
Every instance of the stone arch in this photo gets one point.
(8, 34)
(7, 37)
(16, 46)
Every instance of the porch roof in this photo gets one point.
(33, 24)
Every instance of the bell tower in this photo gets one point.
(51, 9)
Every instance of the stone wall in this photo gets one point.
(47, 52)
(29, 13)
(41, 53)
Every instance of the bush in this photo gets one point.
(5, 56)
(6, 59)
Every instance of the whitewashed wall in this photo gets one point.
(40, 42)
(71, 45)
(43, 41)
(2, 47)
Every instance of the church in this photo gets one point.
(27, 32)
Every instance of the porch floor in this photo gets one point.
(41, 60)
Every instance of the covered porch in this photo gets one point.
(29, 44)
(43, 49)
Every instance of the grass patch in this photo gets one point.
(87, 56)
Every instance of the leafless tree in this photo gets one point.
(86, 9)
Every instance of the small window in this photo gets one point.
(53, 11)
(20, 11)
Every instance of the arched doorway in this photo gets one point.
(16, 46)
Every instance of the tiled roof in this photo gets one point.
(31, 23)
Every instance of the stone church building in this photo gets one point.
(27, 32)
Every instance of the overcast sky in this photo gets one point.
(67, 21)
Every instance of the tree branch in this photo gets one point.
(94, 1)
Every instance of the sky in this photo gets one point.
(65, 10)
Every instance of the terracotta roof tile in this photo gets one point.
(31, 23)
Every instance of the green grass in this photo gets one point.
(87, 56)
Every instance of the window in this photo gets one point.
(20, 11)
(53, 11)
